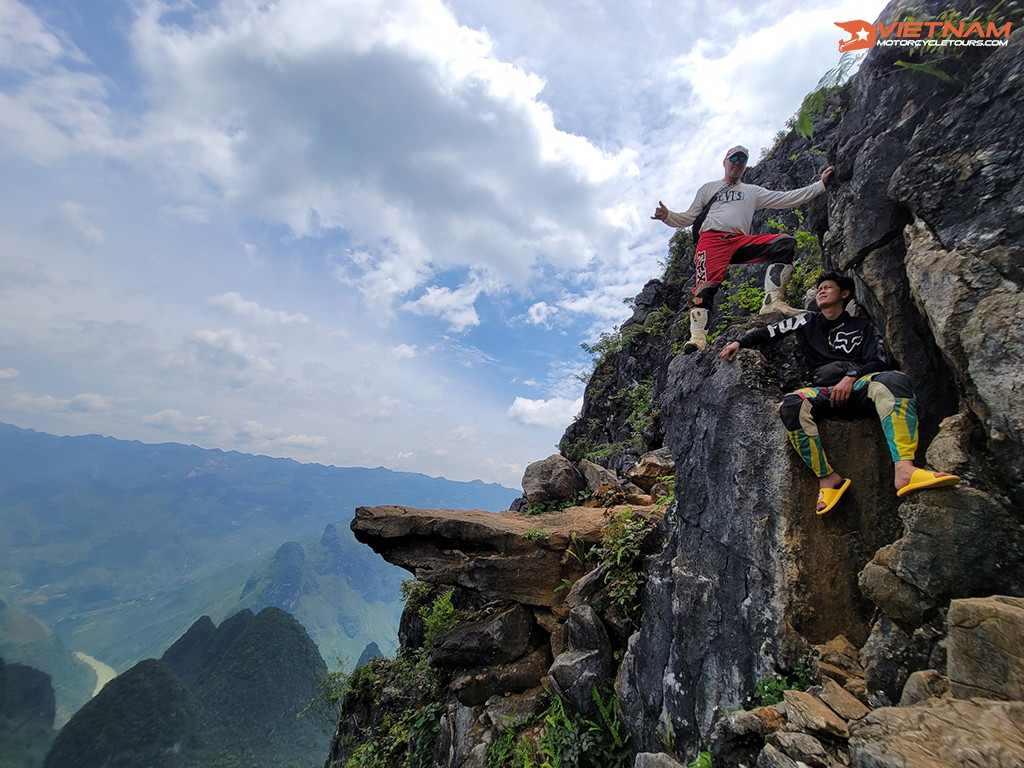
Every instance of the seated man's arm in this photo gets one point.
(752, 338)
(755, 337)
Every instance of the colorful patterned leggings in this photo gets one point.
(888, 393)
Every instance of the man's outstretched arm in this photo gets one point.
(755, 337)
(687, 217)
(767, 198)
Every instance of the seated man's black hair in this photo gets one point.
(845, 284)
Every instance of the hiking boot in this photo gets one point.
(698, 331)
(776, 277)
(778, 305)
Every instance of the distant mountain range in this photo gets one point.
(120, 546)
(220, 696)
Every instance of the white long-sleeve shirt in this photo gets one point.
(734, 209)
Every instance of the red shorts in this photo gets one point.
(717, 250)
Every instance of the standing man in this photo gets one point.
(727, 208)
(852, 378)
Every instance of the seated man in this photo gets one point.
(852, 376)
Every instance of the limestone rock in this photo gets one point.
(951, 448)
(586, 587)
(585, 663)
(805, 712)
(655, 760)
(462, 740)
(739, 737)
(839, 660)
(986, 648)
(958, 542)
(650, 468)
(476, 686)
(552, 479)
(947, 733)
(598, 476)
(770, 757)
(496, 639)
(890, 655)
(841, 701)
(923, 685)
(742, 569)
(507, 711)
(801, 747)
(485, 552)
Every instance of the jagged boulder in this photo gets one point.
(651, 468)
(552, 479)
(891, 655)
(496, 639)
(839, 660)
(923, 685)
(587, 661)
(960, 542)
(599, 478)
(986, 648)
(983, 733)
(476, 686)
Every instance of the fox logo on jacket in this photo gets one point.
(846, 341)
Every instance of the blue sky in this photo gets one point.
(357, 232)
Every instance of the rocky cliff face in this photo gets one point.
(881, 601)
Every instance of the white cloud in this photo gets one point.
(404, 130)
(73, 216)
(541, 313)
(306, 442)
(8, 373)
(453, 306)
(26, 43)
(253, 430)
(381, 409)
(403, 351)
(229, 354)
(233, 302)
(57, 109)
(173, 420)
(78, 404)
(88, 403)
(554, 413)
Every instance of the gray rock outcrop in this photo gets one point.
(552, 479)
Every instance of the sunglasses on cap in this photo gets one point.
(737, 158)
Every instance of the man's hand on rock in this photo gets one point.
(729, 352)
(827, 174)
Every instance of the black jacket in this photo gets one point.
(846, 346)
